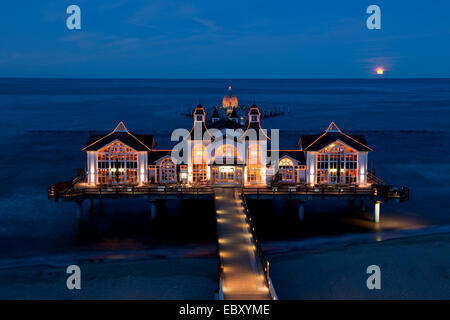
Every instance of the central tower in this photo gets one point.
(229, 101)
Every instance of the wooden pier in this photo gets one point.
(244, 271)
(243, 274)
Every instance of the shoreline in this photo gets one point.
(272, 249)
(156, 279)
(312, 274)
(324, 243)
(109, 256)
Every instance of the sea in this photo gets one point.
(44, 124)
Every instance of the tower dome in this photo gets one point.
(229, 99)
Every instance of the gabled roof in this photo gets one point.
(298, 155)
(155, 155)
(121, 133)
(317, 142)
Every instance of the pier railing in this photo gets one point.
(375, 191)
(72, 192)
(220, 265)
(264, 260)
(374, 179)
(310, 190)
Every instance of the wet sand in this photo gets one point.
(152, 279)
(411, 268)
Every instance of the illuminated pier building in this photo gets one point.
(224, 150)
(230, 149)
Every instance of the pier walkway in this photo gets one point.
(242, 276)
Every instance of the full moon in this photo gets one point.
(380, 71)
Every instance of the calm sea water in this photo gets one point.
(45, 124)
(376, 104)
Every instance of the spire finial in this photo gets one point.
(121, 127)
(333, 127)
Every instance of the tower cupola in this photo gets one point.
(254, 114)
(199, 114)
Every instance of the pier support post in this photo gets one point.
(376, 212)
(301, 211)
(79, 212)
(153, 209)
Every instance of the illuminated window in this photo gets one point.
(215, 175)
(254, 164)
(168, 171)
(199, 165)
(117, 164)
(337, 164)
(286, 169)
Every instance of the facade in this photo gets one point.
(227, 151)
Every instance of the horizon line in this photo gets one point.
(226, 79)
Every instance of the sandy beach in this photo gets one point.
(188, 278)
(411, 268)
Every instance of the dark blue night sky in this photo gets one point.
(225, 39)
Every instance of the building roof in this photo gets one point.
(155, 155)
(135, 141)
(317, 142)
(254, 110)
(215, 113)
(199, 109)
(199, 130)
(298, 155)
(260, 134)
(226, 123)
(234, 114)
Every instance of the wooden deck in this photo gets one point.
(242, 276)
(80, 191)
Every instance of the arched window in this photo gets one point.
(254, 164)
(286, 169)
(286, 162)
(168, 171)
(226, 151)
(117, 164)
(337, 164)
(199, 164)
